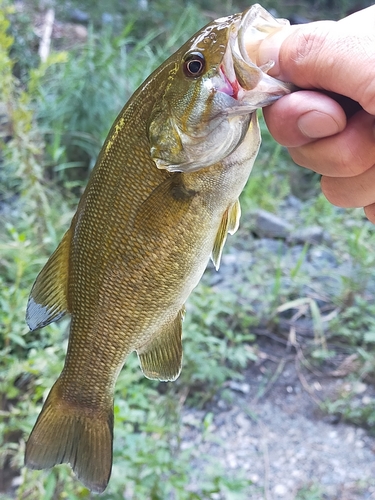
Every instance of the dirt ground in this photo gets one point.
(274, 433)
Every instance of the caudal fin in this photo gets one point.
(65, 433)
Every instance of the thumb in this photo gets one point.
(327, 55)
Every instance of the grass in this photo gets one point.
(58, 115)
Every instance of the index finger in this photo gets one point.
(334, 56)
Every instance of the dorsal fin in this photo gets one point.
(162, 357)
(48, 297)
(229, 224)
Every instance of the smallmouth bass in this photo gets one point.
(159, 203)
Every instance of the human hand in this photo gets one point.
(337, 57)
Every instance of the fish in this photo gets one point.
(159, 203)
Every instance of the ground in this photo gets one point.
(282, 441)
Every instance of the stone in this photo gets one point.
(280, 490)
(360, 388)
(321, 257)
(271, 226)
(79, 16)
(294, 202)
(107, 18)
(239, 387)
(311, 234)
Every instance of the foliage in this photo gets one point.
(80, 98)
(220, 322)
(310, 492)
(349, 404)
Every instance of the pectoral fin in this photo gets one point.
(48, 298)
(229, 224)
(166, 205)
(162, 357)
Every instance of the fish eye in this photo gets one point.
(194, 64)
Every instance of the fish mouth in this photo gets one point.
(241, 77)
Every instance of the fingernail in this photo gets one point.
(315, 125)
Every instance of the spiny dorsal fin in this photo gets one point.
(229, 224)
(48, 297)
(162, 357)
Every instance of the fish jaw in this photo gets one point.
(248, 83)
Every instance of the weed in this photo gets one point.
(80, 98)
(310, 492)
(349, 406)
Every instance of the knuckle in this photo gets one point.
(299, 157)
(370, 212)
(329, 190)
(367, 92)
(352, 160)
(307, 44)
(345, 161)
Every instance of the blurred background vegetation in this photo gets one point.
(54, 116)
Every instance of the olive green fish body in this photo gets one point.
(160, 201)
(139, 256)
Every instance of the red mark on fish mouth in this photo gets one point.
(230, 88)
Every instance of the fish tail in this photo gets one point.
(66, 433)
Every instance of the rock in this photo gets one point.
(239, 387)
(79, 16)
(222, 405)
(293, 202)
(312, 234)
(17, 481)
(143, 5)
(280, 490)
(271, 226)
(360, 388)
(107, 18)
(266, 246)
(232, 461)
(321, 258)
(243, 422)
(191, 420)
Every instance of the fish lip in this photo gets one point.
(241, 77)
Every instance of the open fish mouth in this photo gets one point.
(241, 77)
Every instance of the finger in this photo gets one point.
(370, 212)
(346, 154)
(299, 118)
(351, 192)
(335, 56)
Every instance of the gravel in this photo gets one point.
(283, 443)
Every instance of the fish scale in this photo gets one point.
(160, 201)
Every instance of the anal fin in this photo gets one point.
(161, 358)
(229, 224)
(48, 299)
